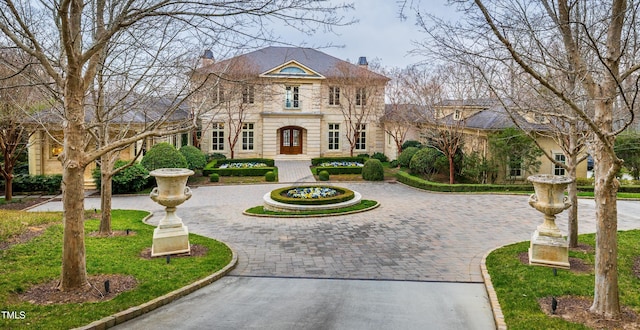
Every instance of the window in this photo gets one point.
(218, 94)
(559, 170)
(515, 167)
(247, 136)
(334, 95)
(248, 92)
(361, 96)
(457, 115)
(334, 136)
(361, 142)
(292, 97)
(292, 70)
(217, 136)
(55, 148)
(184, 139)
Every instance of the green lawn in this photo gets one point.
(519, 286)
(39, 261)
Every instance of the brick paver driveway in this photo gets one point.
(413, 235)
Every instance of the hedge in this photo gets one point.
(214, 164)
(35, 183)
(340, 169)
(318, 161)
(345, 195)
(420, 183)
(252, 171)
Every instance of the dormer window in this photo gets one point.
(292, 70)
(457, 115)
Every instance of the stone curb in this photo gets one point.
(498, 317)
(133, 312)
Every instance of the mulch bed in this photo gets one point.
(24, 203)
(48, 293)
(576, 309)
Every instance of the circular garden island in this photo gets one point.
(311, 200)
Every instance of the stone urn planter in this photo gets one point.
(171, 236)
(548, 246)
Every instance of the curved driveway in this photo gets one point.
(413, 236)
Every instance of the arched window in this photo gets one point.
(292, 70)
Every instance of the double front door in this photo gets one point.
(291, 140)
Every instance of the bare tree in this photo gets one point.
(596, 43)
(360, 92)
(68, 37)
(18, 98)
(400, 114)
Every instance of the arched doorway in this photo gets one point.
(291, 140)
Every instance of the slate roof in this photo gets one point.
(134, 110)
(268, 58)
(489, 114)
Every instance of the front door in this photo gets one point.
(291, 141)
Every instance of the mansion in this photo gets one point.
(289, 102)
(295, 103)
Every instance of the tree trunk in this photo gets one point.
(74, 271)
(452, 169)
(606, 299)
(572, 191)
(8, 187)
(106, 193)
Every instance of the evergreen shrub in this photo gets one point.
(130, 180)
(163, 155)
(196, 159)
(405, 157)
(323, 175)
(270, 176)
(373, 170)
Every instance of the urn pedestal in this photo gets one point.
(171, 236)
(548, 246)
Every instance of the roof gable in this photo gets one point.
(269, 59)
(292, 69)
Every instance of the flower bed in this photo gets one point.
(341, 164)
(311, 192)
(311, 195)
(243, 165)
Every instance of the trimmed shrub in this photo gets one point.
(270, 176)
(428, 161)
(364, 155)
(373, 170)
(214, 177)
(323, 175)
(196, 159)
(130, 180)
(405, 157)
(340, 169)
(269, 162)
(394, 163)
(252, 171)
(380, 156)
(163, 155)
(420, 183)
(411, 143)
(279, 195)
(215, 156)
(35, 183)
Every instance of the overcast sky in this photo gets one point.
(380, 33)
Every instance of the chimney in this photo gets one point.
(207, 58)
(362, 62)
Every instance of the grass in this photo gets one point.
(520, 286)
(620, 195)
(363, 205)
(39, 261)
(16, 222)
